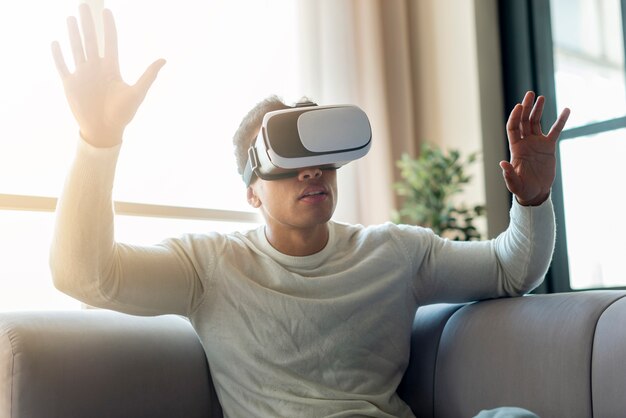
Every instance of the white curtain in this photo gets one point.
(359, 52)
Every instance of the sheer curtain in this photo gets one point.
(360, 52)
(426, 70)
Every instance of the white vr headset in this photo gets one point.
(307, 136)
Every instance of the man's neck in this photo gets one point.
(298, 242)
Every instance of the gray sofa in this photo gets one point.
(561, 355)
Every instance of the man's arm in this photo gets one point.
(85, 260)
(517, 260)
(510, 265)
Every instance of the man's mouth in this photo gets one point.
(314, 194)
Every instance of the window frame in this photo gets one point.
(528, 64)
(35, 203)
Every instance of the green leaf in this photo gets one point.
(428, 182)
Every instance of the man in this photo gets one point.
(304, 317)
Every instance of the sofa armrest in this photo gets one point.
(416, 388)
(608, 369)
(102, 364)
(537, 352)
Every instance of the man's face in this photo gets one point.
(304, 201)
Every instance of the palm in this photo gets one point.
(532, 169)
(533, 159)
(100, 99)
(102, 103)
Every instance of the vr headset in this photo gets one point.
(307, 136)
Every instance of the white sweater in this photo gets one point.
(317, 336)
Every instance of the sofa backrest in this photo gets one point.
(102, 364)
(559, 355)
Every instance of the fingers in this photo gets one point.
(512, 180)
(90, 50)
(513, 130)
(527, 106)
(558, 125)
(75, 41)
(110, 40)
(527, 118)
(535, 116)
(59, 62)
(148, 77)
(89, 32)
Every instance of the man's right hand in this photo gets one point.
(102, 103)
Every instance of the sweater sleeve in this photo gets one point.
(87, 263)
(512, 264)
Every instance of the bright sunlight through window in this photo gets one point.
(589, 76)
(223, 56)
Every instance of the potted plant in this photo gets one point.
(428, 184)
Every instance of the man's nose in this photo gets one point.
(309, 173)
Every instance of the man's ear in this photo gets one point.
(253, 199)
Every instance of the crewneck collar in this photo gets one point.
(309, 261)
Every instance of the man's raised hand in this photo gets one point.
(530, 173)
(102, 103)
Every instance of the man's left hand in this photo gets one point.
(530, 173)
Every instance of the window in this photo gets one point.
(587, 37)
(588, 43)
(176, 172)
(573, 52)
